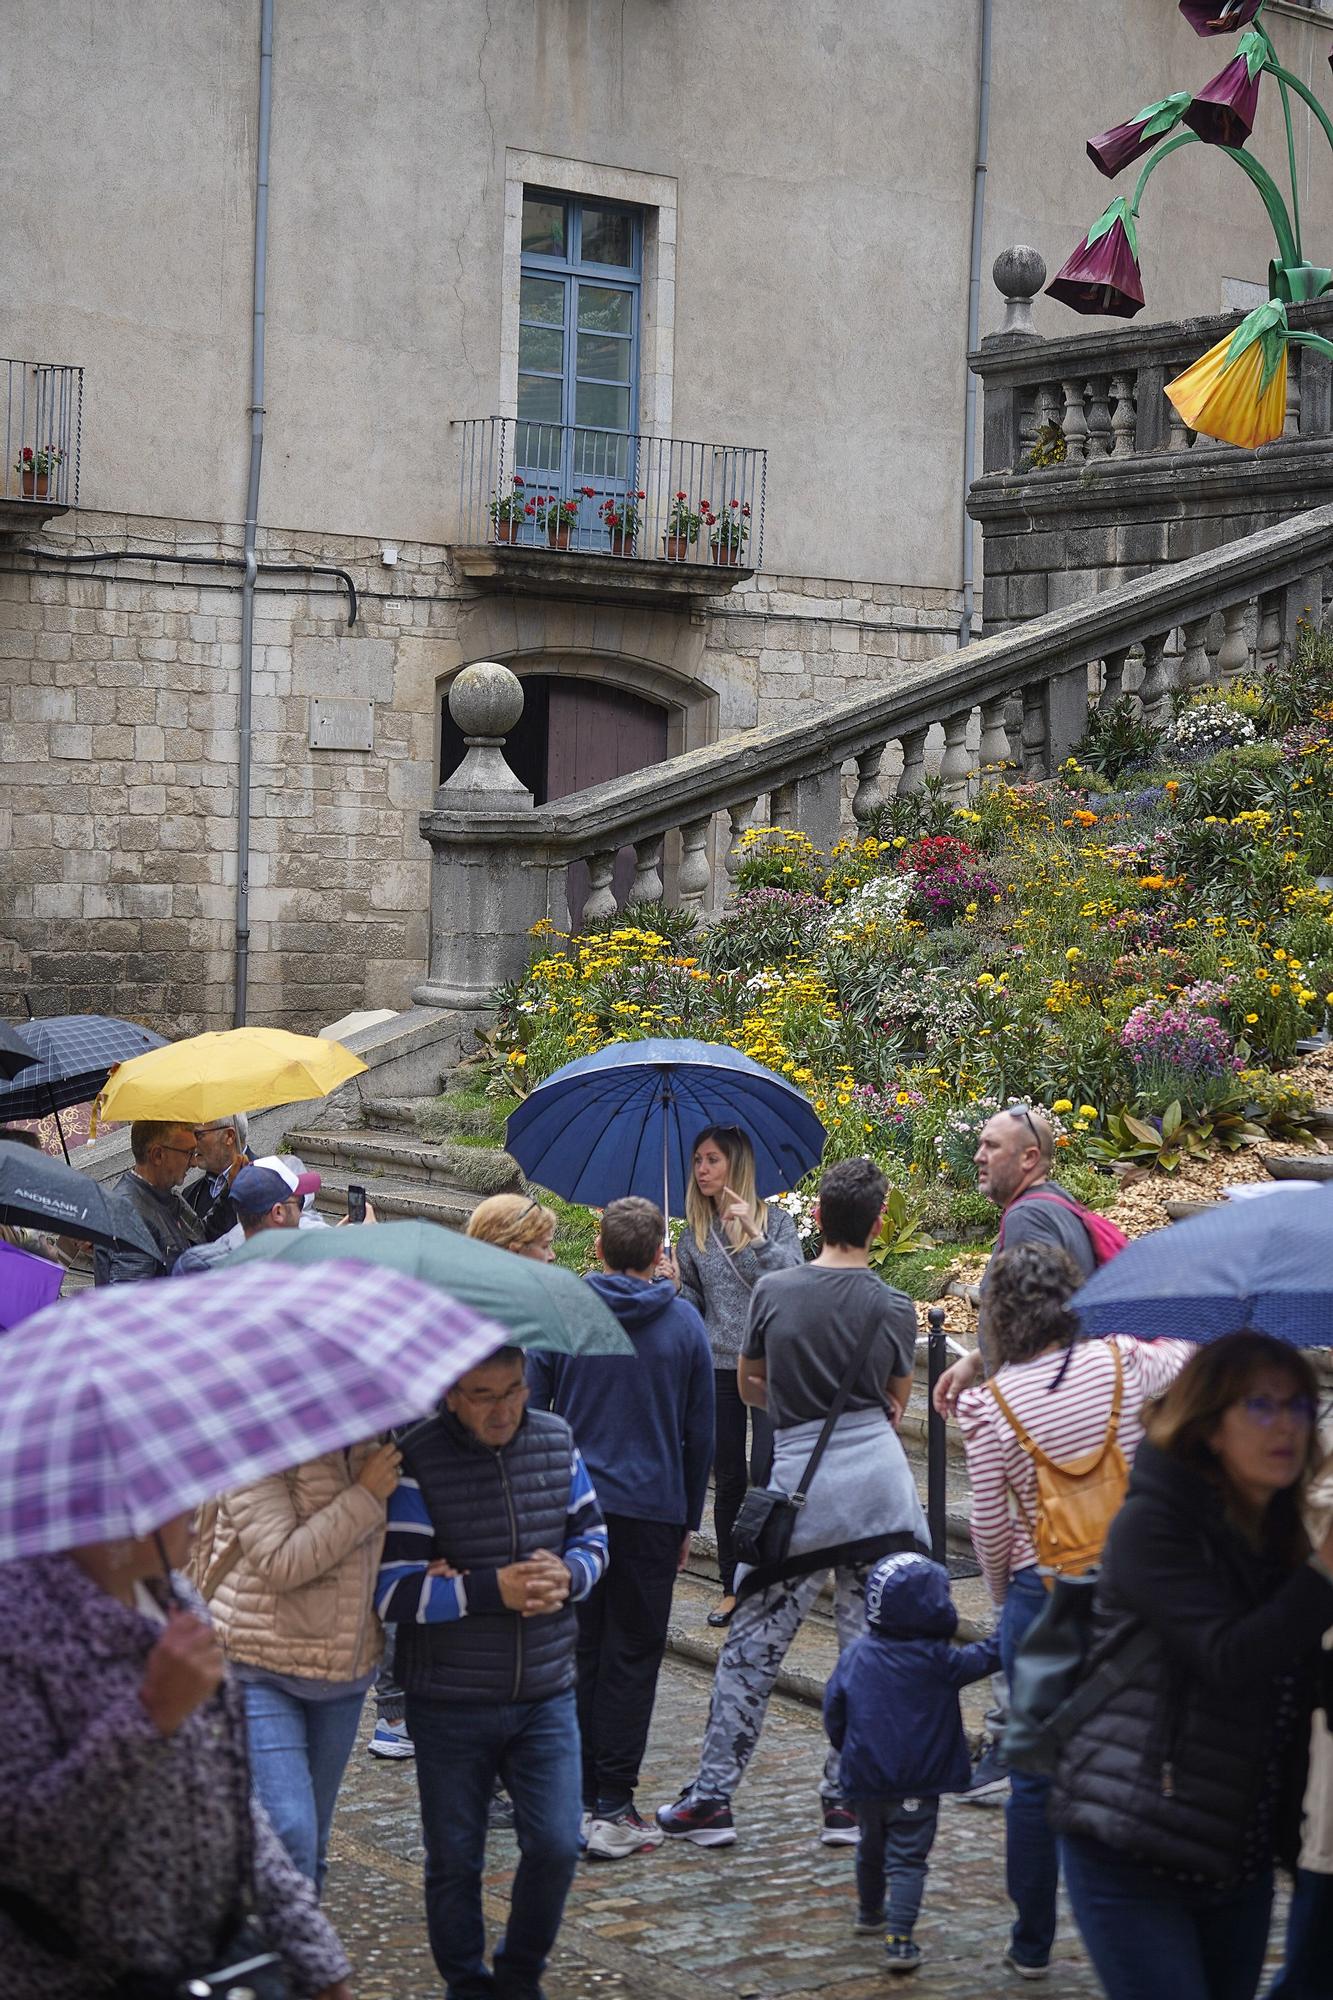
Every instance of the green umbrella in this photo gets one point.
(541, 1305)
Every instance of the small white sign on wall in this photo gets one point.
(339, 724)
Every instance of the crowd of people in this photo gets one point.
(183, 1706)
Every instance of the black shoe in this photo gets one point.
(840, 1827)
(990, 1778)
(901, 1955)
(869, 1923)
(705, 1822)
(500, 1811)
(718, 1619)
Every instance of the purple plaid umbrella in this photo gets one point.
(124, 1407)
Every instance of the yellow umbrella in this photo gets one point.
(208, 1076)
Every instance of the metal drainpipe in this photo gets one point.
(974, 313)
(245, 746)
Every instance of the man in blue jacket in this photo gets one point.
(645, 1427)
(494, 1535)
(891, 1708)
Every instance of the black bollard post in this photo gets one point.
(937, 1360)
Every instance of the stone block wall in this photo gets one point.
(118, 742)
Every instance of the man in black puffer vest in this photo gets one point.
(494, 1535)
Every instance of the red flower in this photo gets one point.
(26, 454)
(641, 495)
(588, 492)
(682, 496)
(530, 508)
(745, 510)
(517, 480)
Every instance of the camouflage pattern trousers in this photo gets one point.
(756, 1645)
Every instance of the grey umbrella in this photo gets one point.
(37, 1192)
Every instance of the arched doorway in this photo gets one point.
(574, 733)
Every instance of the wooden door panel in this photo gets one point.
(596, 733)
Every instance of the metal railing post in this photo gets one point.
(937, 1447)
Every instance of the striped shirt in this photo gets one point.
(405, 1594)
(1066, 1423)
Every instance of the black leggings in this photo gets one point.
(730, 1468)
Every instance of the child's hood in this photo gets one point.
(907, 1597)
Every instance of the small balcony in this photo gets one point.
(569, 511)
(42, 420)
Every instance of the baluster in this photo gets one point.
(1113, 676)
(869, 794)
(741, 816)
(1233, 655)
(601, 898)
(1179, 436)
(913, 777)
(1193, 671)
(1291, 416)
(1155, 687)
(956, 763)
(694, 878)
(1270, 629)
(995, 753)
(1099, 419)
(782, 805)
(1123, 416)
(1034, 729)
(1028, 419)
(1074, 423)
(647, 871)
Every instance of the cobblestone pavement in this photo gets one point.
(770, 1918)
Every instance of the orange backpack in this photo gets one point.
(1076, 1501)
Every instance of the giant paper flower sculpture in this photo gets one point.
(1114, 149)
(1102, 275)
(1237, 391)
(1219, 17)
(1224, 110)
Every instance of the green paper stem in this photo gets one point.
(1301, 90)
(1291, 168)
(1271, 198)
(1315, 340)
(1154, 161)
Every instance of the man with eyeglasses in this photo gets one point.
(163, 1151)
(494, 1534)
(223, 1153)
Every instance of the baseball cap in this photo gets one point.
(265, 1182)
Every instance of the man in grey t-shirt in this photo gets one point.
(805, 1327)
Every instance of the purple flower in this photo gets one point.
(1219, 17)
(1223, 111)
(1103, 276)
(1112, 150)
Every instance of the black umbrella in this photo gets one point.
(14, 1053)
(74, 1054)
(37, 1192)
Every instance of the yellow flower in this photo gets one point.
(1237, 391)
(1087, 1111)
(1073, 953)
(517, 1058)
(1063, 1104)
(1250, 1019)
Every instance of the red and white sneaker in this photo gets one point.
(840, 1827)
(707, 1822)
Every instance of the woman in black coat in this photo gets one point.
(1173, 1799)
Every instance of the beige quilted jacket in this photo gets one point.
(289, 1566)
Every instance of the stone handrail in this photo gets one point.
(499, 862)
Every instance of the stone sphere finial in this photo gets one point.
(486, 700)
(1019, 273)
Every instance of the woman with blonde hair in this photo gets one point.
(731, 1239)
(516, 1222)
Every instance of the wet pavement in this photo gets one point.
(768, 1919)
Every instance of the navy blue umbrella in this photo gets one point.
(14, 1053)
(624, 1121)
(40, 1193)
(1264, 1264)
(74, 1053)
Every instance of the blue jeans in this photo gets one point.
(1307, 1966)
(1151, 1938)
(462, 1747)
(298, 1753)
(896, 1838)
(1031, 1860)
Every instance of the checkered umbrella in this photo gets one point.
(74, 1053)
(14, 1053)
(125, 1407)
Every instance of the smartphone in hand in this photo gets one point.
(356, 1203)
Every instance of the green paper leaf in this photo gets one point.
(1254, 48)
(1264, 319)
(1157, 119)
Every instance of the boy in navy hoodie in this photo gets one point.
(644, 1424)
(891, 1708)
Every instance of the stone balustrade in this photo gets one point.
(1018, 699)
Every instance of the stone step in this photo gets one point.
(398, 1200)
(398, 1112)
(404, 1156)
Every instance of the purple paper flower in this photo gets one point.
(1103, 275)
(1219, 17)
(1224, 110)
(1113, 150)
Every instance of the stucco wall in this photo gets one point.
(822, 156)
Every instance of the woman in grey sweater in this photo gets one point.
(730, 1240)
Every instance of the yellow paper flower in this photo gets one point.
(1237, 391)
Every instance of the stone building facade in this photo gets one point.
(800, 286)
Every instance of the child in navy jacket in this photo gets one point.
(891, 1708)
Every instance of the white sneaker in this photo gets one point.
(391, 1740)
(622, 1834)
(1013, 1964)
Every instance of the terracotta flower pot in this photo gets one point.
(677, 547)
(34, 485)
(727, 554)
(558, 533)
(508, 531)
(621, 543)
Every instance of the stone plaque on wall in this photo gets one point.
(339, 724)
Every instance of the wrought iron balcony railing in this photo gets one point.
(609, 493)
(43, 421)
